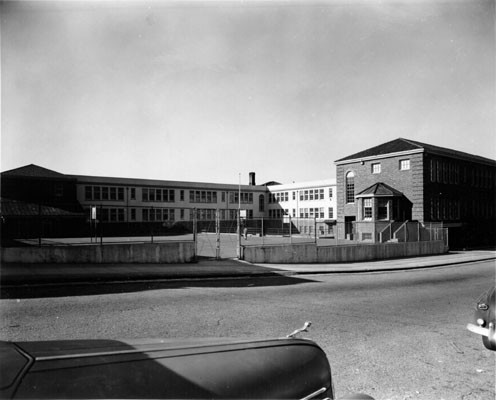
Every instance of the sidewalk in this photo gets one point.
(24, 274)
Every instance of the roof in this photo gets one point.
(380, 189)
(34, 171)
(303, 185)
(18, 208)
(404, 145)
(92, 180)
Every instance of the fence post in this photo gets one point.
(290, 236)
(262, 231)
(151, 225)
(100, 226)
(217, 231)
(315, 228)
(40, 225)
(195, 239)
(238, 234)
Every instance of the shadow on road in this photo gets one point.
(97, 288)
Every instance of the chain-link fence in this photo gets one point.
(217, 233)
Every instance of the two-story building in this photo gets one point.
(405, 180)
(309, 205)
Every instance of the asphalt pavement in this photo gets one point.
(29, 274)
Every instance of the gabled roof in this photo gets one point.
(404, 145)
(10, 207)
(34, 171)
(380, 190)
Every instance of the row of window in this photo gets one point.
(382, 209)
(403, 165)
(202, 196)
(246, 198)
(448, 172)
(116, 214)
(304, 195)
(311, 212)
(454, 209)
(158, 214)
(159, 195)
(99, 193)
(106, 193)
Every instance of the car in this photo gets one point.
(288, 367)
(485, 318)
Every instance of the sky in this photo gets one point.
(210, 91)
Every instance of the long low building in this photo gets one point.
(139, 203)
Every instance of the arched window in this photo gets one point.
(350, 187)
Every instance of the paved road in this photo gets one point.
(395, 335)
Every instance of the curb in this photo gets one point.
(214, 276)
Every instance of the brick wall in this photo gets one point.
(409, 182)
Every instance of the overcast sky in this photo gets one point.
(205, 91)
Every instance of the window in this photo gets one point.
(105, 193)
(59, 190)
(382, 209)
(261, 203)
(331, 212)
(376, 168)
(366, 236)
(88, 192)
(433, 171)
(96, 192)
(404, 165)
(133, 214)
(181, 196)
(133, 193)
(367, 208)
(350, 187)
(330, 193)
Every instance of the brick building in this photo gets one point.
(405, 180)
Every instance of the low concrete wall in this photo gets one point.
(139, 253)
(310, 253)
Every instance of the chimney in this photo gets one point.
(252, 179)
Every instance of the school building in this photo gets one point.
(381, 188)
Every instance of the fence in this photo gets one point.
(40, 225)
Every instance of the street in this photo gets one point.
(395, 335)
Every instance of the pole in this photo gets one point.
(290, 236)
(151, 224)
(217, 231)
(315, 228)
(262, 232)
(40, 225)
(100, 226)
(239, 218)
(195, 238)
